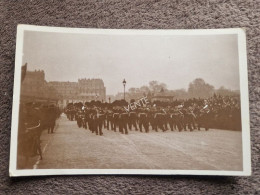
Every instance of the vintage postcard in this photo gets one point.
(103, 101)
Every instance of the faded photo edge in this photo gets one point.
(244, 93)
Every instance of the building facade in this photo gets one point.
(163, 96)
(92, 89)
(35, 88)
(33, 84)
(85, 90)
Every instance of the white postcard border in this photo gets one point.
(13, 171)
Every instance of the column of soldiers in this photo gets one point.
(216, 112)
(33, 119)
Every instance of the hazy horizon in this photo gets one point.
(173, 59)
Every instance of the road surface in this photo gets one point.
(71, 147)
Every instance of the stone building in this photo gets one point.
(163, 96)
(85, 90)
(66, 90)
(92, 89)
(35, 88)
(33, 83)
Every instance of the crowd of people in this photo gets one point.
(33, 119)
(217, 112)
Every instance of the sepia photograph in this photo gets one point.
(107, 101)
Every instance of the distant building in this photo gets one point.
(35, 88)
(85, 90)
(33, 83)
(92, 89)
(163, 96)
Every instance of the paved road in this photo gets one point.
(72, 147)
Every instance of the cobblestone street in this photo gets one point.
(71, 147)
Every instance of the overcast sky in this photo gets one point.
(174, 60)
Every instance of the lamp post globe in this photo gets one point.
(124, 83)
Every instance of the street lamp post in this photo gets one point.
(124, 83)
